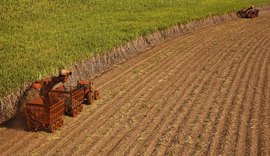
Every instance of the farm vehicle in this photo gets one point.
(74, 97)
(46, 112)
(250, 12)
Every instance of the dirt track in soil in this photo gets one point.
(206, 92)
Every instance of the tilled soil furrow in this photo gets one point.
(241, 101)
(266, 111)
(210, 128)
(186, 137)
(135, 92)
(21, 137)
(180, 125)
(154, 135)
(225, 119)
(156, 138)
(263, 132)
(204, 121)
(191, 143)
(142, 123)
(257, 131)
(146, 121)
(253, 116)
(241, 134)
(129, 115)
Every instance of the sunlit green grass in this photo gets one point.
(37, 37)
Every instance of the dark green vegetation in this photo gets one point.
(37, 37)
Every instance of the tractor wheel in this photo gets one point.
(90, 98)
(96, 95)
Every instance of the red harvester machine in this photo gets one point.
(46, 111)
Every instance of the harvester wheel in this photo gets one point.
(58, 124)
(90, 98)
(78, 110)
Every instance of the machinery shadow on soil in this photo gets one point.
(17, 122)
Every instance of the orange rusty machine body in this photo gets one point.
(44, 116)
(47, 110)
(76, 96)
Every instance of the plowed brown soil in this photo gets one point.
(206, 92)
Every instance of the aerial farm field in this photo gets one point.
(37, 37)
(203, 93)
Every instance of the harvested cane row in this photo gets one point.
(206, 92)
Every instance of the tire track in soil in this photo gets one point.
(143, 124)
(225, 118)
(266, 109)
(22, 137)
(241, 117)
(253, 121)
(264, 138)
(204, 139)
(149, 129)
(201, 128)
(156, 139)
(186, 132)
(241, 102)
(186, 147)
(256, 131)
(186, 120)
(243, 105)
(112, 109)
(149, 112)
(221, 131)
(137, 146)
(41, 140)
(132, 108)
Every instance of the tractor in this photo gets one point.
(250, 12)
